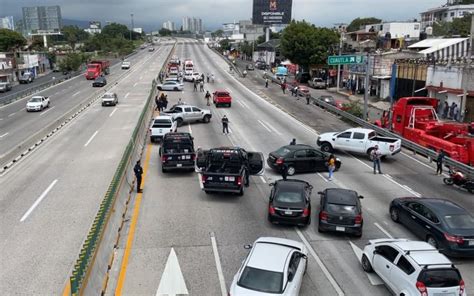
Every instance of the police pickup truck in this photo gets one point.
(227, 169)
(177, 152)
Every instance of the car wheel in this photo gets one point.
(432, 241)
(291, 170)
(163, 170)
(160, 88)
(320, 230)
(395, 214)
(47, 106)
(41, 108)
(366, 266)
(358, 234)
(175, 89)
(179, 121)
(230, 104)
(326, 147)
(241, 192)
(206, 119)
(369, 152)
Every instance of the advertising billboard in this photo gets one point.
(270, 12)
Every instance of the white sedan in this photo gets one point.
(192, 76)
(37, 103)
(170, 85)
(274, 266)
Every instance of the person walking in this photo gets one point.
(444, 115)
(208, 77)
(284, 171)
(451, 110)
(439, 162)
(201, 86)
(293, 142)
(331, 166)
(208, 97)
(266, 82)
(195, 85)
(138, 170)
(225, 125)
(456, 112)
(157, 102)
(283, 87)
(375, 155)
(308, 98)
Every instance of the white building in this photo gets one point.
(397, 30)
(193, 25)
(169, 25)
(138, 30)
(95, 27)
(7, 23)
(230, 29)
(447, 12)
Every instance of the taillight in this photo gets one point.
(421, 288)
(461, 287)
(193, 157)
(323, 216)
(271, 210)
(358, 219)
(280, 161)
(306, 212)
(164, 158)
(239, 180)
(454, 239)
(203, 178)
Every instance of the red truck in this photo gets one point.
(97, 68)
(415, 119)
(221, 97)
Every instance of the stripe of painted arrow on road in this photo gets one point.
(133, 225)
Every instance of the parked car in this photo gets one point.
(261, 65)
(290, 202)
(274, 266)
(412, 268)
(99, 82)
(303, 91)
(162, 125)
(26, 78)
(440, 222)
(5, 86)
(303, 77)
(37, 103)
(125, 65)
(249, 67)
(317, 83)
(150, 49)
(331, 101)
(359, 140)
(221, 97)
(340, 210)
(192, 76)
(300, 158)
(183, 113)
(109, 99)
(170, 85)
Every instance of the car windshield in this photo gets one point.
(440, 278)
(459, 221)
(35, 100)
(341, 209)
(261, 280)
(223, 94)
(289, 197)
(282, 151)
(109, 96)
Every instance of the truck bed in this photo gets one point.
(384, 139)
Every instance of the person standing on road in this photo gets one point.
(225, 125)
(375, 155)
(283, 87)
(208, 97)
(208, 77)
(284, 171)
(445, 110)
(308, 98)
(138, 170)
(201, 85)
(331, 166)
(293, 142)
(195, 85)
(165, 102)
(439, 162)
(157, 102)
(266, 82)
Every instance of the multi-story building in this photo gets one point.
(7, 23)
(42, 19)
(451, 10)
(95, 27)
(169, 25)
(193, 25)
(251, 32)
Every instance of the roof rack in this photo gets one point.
(427, 250)
(425, 266)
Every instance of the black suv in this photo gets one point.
(177, 152)
(440, 222)
(290, 202)
(340, 211)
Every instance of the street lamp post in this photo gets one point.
(131, 29)
(341, 31)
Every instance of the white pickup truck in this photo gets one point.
(160, 126)
(186, 113)
(359, 140)
(37, 103)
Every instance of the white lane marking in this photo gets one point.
(263, 179)
(112, 113)
(9, 115)
(326, 272)
(126, 96)
(75, 94)
(388, 177)
(172, 280)
(243, 105)
(200, 181)
(420, 162)
(49, 109)
(135, 84)
(5, 134)
(141, 77)
(91, 138)
(272, 128)
(36, 203)
(322, 177)
(220, 274)
(1, 118)
(374, 279)
(190, 129)
(265, 126)
(383, 230)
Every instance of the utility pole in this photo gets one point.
(366, 88)
(131, 29)
(341, 30)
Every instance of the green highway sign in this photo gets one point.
(345, 60)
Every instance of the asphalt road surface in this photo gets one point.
(177, 220)
(49, 200)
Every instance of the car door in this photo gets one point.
(318, 161)
(358, 142)
(295, 274)
(301, 161)
(341, 141)
(256, 162)
(429, 224)
(188, 114)
(414, 221)
(400, 276)
(197, 115)
(383, 263)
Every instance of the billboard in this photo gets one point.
(269, 12)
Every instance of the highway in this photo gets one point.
(49, 199)
(39, 80)
(207, 233)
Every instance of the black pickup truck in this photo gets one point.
(177, 152)
(227, 169)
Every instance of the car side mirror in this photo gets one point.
(290, 276)
(320, 193)
(271, 184)
(248, 247)
(361, 197)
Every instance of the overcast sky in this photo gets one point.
(150, 14)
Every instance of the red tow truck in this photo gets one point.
(96, 68)
(415, 119)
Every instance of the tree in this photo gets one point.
(73, 35)
(10, 40)
(225, 44)
(459, 26)
(358, 22)
(305, 44)
(273, 35)
(72, 61)
(165, 32)
(115, 30)
(217, 33)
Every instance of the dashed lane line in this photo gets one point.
(91, 138)
(37, 202)
(265, 126)
(5, 134)
(49, 109)
(220, 274)
(383, 230)
(112, 113)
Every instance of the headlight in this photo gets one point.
(337, 159)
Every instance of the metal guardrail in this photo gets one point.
(416, 148)
(88, 252)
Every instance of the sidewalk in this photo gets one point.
(373, 101)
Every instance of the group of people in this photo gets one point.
(201, 84)
(161, 102)
(450, 111)
(210, 78)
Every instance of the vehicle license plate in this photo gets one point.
(471, 242)
(288, 212)
(179, 165)
(338, 228)
(229, 179)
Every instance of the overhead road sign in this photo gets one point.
(345, 60)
